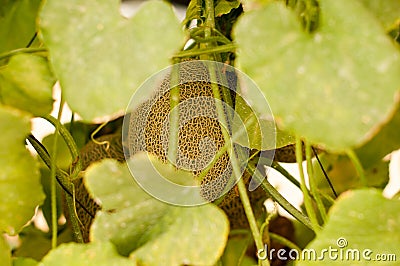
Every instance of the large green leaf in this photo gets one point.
(100, 57)
(26, 83)
(17, 20)
(20, 187)
(172, 239)
(96, 254)
(165, 182)
(331, 87)
(384, 142)
(5, 252)
(21, 261)
(35, 244)
(359, 221)
(386, 11)
(152, 232)
(261, 132)
(223, 7)
(235, 251)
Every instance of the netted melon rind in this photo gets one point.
(200, 135)
(90, 153)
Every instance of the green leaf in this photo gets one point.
(343, 175)
(384, 142)
(258, 129)
(223, 7)
(35, 244)
(101, 60)
(253, 136)
(123, 183)
(152, 232)
(26, 83)
(284, 138)
(163, 181)
(96, 254)
(5, 252)
(17, 20)
(235, 251)
(332, 87)
(303, 234)
(125, 228)
(19, 177)
(172, 239)
(20, 261)
(363, 219)
(193, 11)
(63, 155)
(386, 11)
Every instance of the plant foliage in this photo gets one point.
(330, 71)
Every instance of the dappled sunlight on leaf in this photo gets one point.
(153, 232)
(27, 84)
(101, 60)
(93, 254)
(359, 220)
(331, 87)
(19, 179)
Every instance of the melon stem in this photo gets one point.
(235, 165)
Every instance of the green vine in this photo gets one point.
(92, 136)
(202, 51)
(64, 180)
(209, 25)
(359, 168)
(173, 142)
(21, 51)
(313, 185)
(307, 197)
(275, 195)
(70, 142)
(272, 53)
(53, 193)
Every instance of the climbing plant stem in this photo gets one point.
(313, 185)
(22, 50)
(359, 168)
(210, 21)
(307, 198)
(53, 183)
(294, 181)
(235, 165)
(218, 49)
(285, 173)
(64, 182)
(173, 142)
(69, 141)
(276, 196)
(97, 130)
